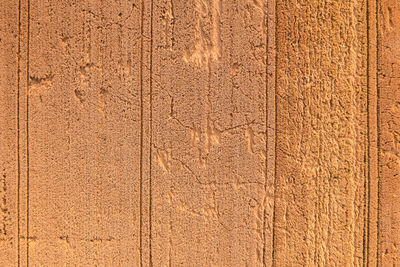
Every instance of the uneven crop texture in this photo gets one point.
(200, 133)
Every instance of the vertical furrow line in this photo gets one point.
(141, 139)
(372, 190)
(368, 136)
(18, 134)
(266, 132)
(367, 152)
(378, 134)
(275, 136)
(151, 131)
(27, 132)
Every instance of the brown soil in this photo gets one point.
(199, 133)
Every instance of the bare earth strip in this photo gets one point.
(9, 84)
(388, 122)
(208, 133)
(84, 133)
(321, 129)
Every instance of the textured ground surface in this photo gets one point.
(200, 133)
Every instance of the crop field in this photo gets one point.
(199, 133)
